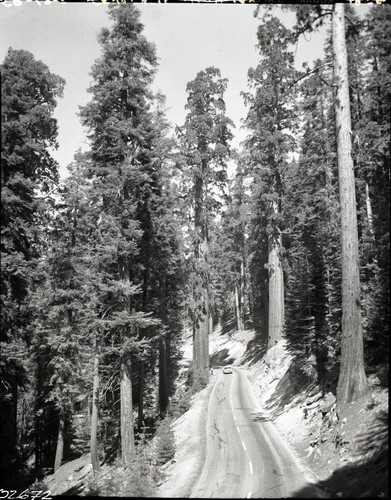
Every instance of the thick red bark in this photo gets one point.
(352, 383)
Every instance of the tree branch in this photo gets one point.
(354, 26)
(298, 32)
(326, 82)
(45, 177)
(308, 73)
(47, 195)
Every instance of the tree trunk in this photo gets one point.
(9, 429)
(141, 394)
(163, 349)
(352, 382)
(201, 341)
(276, 292)
(163, 381)
(242, 294)
(369, 211)
(264, 309)
(37, 444)
(23, 422)
(127, 431)
(15, 413)
(142, 362)
(95, 414)
(237, 310)
(60, 441)
(201, 299)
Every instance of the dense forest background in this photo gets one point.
(102, 272)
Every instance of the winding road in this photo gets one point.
(245, 457)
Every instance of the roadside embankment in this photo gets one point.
(345, 454)
(183, 471)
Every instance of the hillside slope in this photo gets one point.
(347, 457)
(348, 454)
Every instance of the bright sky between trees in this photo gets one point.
(188, 38)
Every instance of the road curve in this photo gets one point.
(245, 457)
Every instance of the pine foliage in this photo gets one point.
(28, 173)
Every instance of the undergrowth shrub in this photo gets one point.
(197, 381)
(165, 441)
(137, 480)
(181, 404)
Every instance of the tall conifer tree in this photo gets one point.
(28, 99)
(311, 212)
(205, 150)
(269, 121)
(122, 133)
(352, 382)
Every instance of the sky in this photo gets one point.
(188, 37)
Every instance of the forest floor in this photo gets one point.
(346, 457)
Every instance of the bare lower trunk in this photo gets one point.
(352, 382)
(369, 208)
(23, 423)
(163, 379)
(239, 325)
(201, 286)
(95, 415)
(127, 431)
(60, 441)
(201, 343)
(371, 230)
(38, 443)
(242, 295)
(201, 321)
(276, 292)
(141, 394)
(264, 309)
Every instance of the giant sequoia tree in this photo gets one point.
(352, 381)
(205, 150)
(269, 121)
(28, 98)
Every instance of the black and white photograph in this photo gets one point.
(195, 248)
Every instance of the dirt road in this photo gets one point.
(245, 457)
